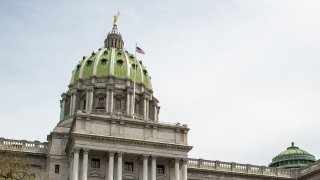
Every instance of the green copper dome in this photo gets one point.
(293, 157)
(112, 60)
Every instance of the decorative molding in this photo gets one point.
(131, 141)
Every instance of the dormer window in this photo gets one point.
(134, 66)
(120, 62)
(104, 61)
(89, 62)
(78, 67)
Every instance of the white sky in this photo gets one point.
(243, 74)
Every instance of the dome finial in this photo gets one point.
(292, 144)
(115, 21)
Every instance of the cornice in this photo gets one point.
(76, 135)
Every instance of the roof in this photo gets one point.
(292, 157)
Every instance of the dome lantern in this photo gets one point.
(114, 39)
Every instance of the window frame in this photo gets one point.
(128, 166)
(95, 163)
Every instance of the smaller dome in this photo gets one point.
(293, 157)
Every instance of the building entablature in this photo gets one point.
(126, 119)
(126, 145)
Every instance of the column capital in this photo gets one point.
(145, 156)
(120, 154)
(63, 96)
(110, 88)
(85, 150)
(145, 96)
(185, 160)
(111, 153)
(90, 88)
(76, 150)
(73, 91)
(177, 159)
(154, 156)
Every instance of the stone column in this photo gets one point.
(85, 164)
(145, 108)
(111, 166)
(147, 112)
(75, 168)
(91, 99)
(185, 169)
(153, 167)
(176, 169)
(71, 105)
(107, 100)
(119, 168)
(155, 115)
(145, 167)
(63, 103)
(111, 101)
(71, 168)
(133, 105)
(128, 103)
(87, 102)
(74, 103)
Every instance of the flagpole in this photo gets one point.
(134, 81)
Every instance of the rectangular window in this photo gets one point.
(95, 163)
(56, 169)
(118, 104)
(101, 103)
(160, 169)
(128, 166)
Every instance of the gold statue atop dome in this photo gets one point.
(115, 19)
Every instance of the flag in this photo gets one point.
(139, 50)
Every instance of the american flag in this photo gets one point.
(139, 50)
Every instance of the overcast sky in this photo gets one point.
(243, 74)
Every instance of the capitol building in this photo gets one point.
(109, 129)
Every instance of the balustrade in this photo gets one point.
(240, 168)
(23, 146)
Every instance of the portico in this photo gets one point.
(118, 165)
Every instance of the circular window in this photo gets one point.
(131, 57)
(145, 72)
(119, 54)
(105, 52)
